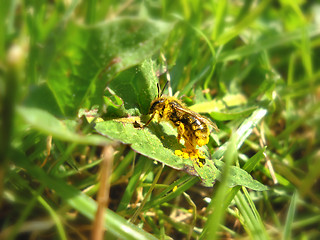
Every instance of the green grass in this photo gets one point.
(251, 67)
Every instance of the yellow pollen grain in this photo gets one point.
(185, 155)
(193, 156)
(174, 188)
(178, 152)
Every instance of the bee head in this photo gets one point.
(156, 104)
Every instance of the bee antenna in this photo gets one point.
(164, 88)
(158, 86)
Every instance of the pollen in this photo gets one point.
(192, 154)
(174, 188)
(185, 155)
(199, 163)
(178, 152)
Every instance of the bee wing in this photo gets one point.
(203, 118)
(209, 122)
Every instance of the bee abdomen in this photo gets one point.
(195, 123)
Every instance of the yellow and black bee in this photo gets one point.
(191, 126)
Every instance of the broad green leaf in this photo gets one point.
(239, 177)
(49, 125)
(90, 56)
(135, 87)
(158, 141)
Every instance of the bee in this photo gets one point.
(192, 127)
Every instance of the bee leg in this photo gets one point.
(180, 131)
(179, 137)
(190, 146)
(152, 116)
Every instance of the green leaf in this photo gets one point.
(239, 177)
(219, 108)
(232, 114)
(254, 160)
(219, 104)
(90, 56)
(158, 141)
(136, 87)
(248, 167)
(49, 125)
